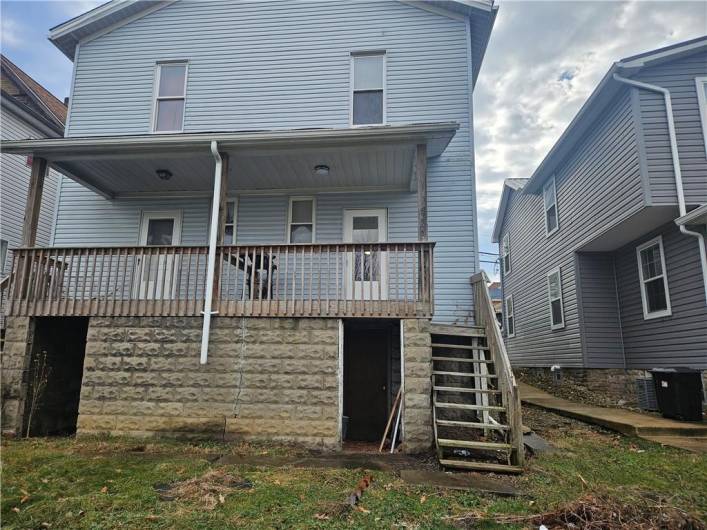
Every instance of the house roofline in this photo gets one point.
(509, 186)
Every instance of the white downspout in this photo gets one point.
(676, 168)
(211, 263)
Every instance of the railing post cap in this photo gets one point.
(480, 276)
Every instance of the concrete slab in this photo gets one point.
(623, 421)
(537, 444)
(696, 444)
(459, 481)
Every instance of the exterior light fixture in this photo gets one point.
(164, 174)
(321, 170)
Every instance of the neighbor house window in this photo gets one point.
(510, 318)
(550, 202)
(701, 85)
(554, 292)
(300, 226)
(229, 226)
(170, 96)
(368, 89)
(3, 255)
(506, 251)
(654, 281)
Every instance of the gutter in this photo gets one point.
(676, 168)
(211, 263)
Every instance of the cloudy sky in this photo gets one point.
(543, 61)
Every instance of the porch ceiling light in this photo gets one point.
(164, 174)
(322, 170)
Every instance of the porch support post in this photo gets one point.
(34, 201)
(421, 173)
(221, 219)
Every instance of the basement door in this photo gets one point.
(367, 269)
(158, 229)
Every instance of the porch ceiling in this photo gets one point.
(364, 158)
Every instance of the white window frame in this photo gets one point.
(549, 232)
(156, 93)
(506, 253)
(314, 217)
(512, 315)
(385, 86)
(560, 298)
(644, 296)
(234, 200)
(700, 83)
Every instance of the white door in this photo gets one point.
(367, 269)
(158, 229)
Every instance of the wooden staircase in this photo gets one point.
(476, 405)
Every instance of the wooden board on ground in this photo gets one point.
(459, 481)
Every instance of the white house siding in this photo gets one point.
(597, 183)
(14, 185)
(283, 65)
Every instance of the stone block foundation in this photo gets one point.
(14, 362)
(417, 408)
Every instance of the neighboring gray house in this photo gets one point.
(266, 204)
(603, 248)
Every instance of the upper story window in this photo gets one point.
(550, 202)
(368, 89)
(554, 292)
(300, 226)
(229, 226)
(510, 317)
(506, 254)
(170, 97)
(701, 85)
(653, 278)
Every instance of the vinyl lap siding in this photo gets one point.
(676, 340)
(279, 65)
(678, 77)
(14, 186)
(598, 182)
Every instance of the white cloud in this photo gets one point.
(543, 61)
(73, 8)
(10, 33)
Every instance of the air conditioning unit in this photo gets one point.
(645, 391)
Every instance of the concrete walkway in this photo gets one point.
(685, 435)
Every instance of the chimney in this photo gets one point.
(66, 101)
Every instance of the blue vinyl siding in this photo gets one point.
(279, 65)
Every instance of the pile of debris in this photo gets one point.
(210, 489)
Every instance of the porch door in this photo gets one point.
(367, 269)
(158, 229)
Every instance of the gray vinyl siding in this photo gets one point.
(599, 310)
(279, 65)
(598, 182)
(676, 340)
(14, 185)
(679, 77)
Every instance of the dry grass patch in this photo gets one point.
(209, 489)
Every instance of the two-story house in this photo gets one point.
(603, 249)
(268, 216)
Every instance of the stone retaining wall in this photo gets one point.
(14, 362)
(417, 362)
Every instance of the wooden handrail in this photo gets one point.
(486, 317)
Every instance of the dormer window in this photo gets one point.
(170, 97)
(368, 89)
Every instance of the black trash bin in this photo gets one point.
(679, 393)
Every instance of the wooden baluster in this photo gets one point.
(286, 275)
(269, 280)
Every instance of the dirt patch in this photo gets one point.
(209, 489)
(599, 512)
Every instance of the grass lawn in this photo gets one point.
(93, 483)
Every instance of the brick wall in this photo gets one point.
(273, 379)
(417, 362)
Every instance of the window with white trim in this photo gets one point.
(506, 253)
(510, 317)
(550, 202)
(3, 255)
(701, 86)
(653, 279)
(229, 225)
(368, 88)
(554, 294)
(300, 224)
(170, 97)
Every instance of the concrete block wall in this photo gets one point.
(14, 363)
(417, 363)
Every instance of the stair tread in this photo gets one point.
(456, 423)
(481, 466)
(459, 346)
(443, 405)
(457, 331)
(462, 360)
(464, 374)
(462, 389)
(471, 444)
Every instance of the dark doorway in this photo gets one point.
(56, 369)
(368, 352)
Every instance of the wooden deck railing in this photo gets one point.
(337, 280)
(486, 317)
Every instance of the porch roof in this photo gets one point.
(380, 157)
